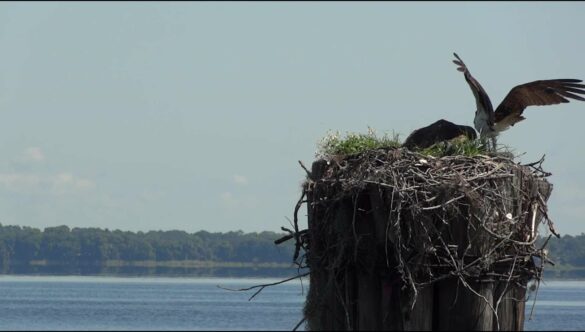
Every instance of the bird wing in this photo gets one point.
(537, 93)
(481, 98)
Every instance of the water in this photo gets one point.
(560, 306)
(106, 303)
(110, 303)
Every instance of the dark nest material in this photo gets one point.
(421, 219)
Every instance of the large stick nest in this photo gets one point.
(470, 217)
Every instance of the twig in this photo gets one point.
(262, 286)
(299, 323)
(309, 174)
(444, 204)
(534, 302)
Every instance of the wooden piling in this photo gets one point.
(362, 286)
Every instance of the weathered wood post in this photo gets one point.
(401, 241)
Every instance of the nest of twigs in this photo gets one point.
(474, 218)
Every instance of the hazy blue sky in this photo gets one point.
(191, 116)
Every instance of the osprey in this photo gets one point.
(538, 93)
(439, 131)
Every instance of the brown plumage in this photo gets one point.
(490, 123)
(439, 131)
(537, 93)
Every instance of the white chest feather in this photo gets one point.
(508, 122)
(481, 124)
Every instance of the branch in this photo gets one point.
(262, 286)
(309, 174)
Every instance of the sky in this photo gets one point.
(193, 115)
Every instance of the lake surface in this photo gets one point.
(113, 303)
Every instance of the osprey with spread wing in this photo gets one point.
(490, 123)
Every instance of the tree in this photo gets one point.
(59, 245)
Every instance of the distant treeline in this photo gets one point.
(62, 246)
(568, 251)
(94, 246)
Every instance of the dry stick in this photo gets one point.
(388, 221)
(542, 208)
(357, 240)
(481, 257)
(546, 242)
(536, 292)
(539, 167)
(343, 304)
(539, 162)
(455, 269)
(444, 204)
(477, 294)
(504, 292)
(532, 224)
(534, 302)
(487, 174)
(299, 323)
(398, 245)
(262, 286)
(309, 174)
(298, 242)
(508, 237)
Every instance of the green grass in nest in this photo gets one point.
(334, 144)
(456, 148)
(352, 143)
